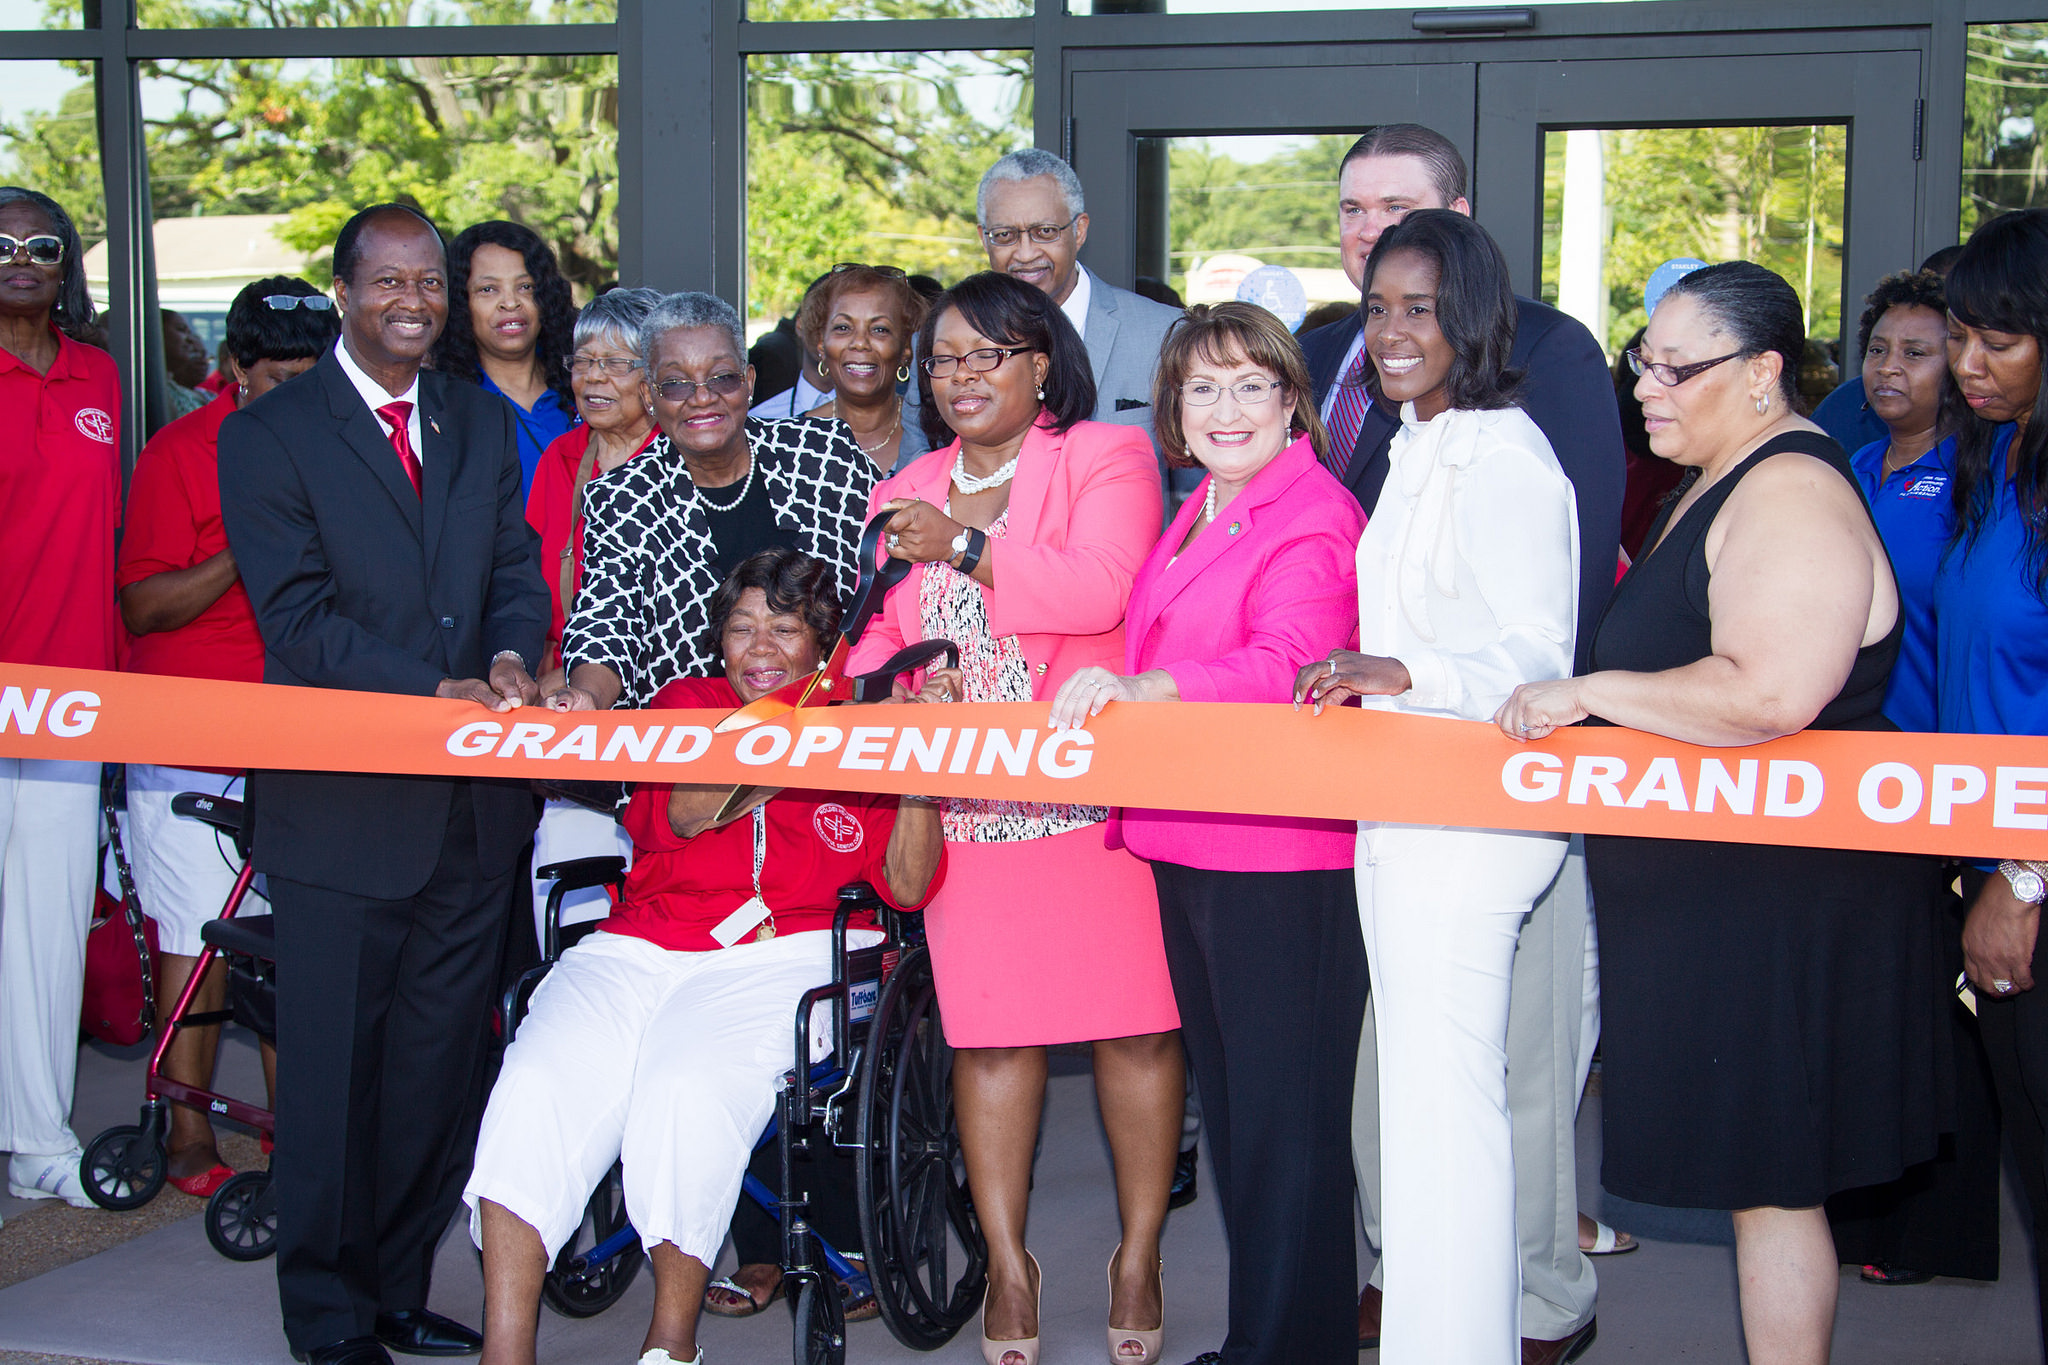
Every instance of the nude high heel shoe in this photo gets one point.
(992, 1352)
(1120, 1336)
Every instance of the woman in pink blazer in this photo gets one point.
(1260, 912)
(1026, 528)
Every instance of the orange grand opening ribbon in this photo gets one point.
(1976, 796)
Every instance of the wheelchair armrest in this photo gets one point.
(577, 874)
(512, 1006)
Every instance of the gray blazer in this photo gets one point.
(1123, 336)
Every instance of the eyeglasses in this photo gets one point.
(683, 390)
(892, 272)
(1248, 392)
(1671, 376)
(1038, 232)
(978, 361)
(284, 303)
(610, 366)
(42, 250)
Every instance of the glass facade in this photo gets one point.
(1234, 204)
(49, 138)
(367, 13)
(2005, 103)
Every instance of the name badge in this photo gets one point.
(740, 922)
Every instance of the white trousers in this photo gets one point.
(667, 1059)
(184, 868)
(1441, 911)
(567, 831)
(49, 846)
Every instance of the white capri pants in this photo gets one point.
(567, 831)
(669, 1059)
(1441, 911)
(184, 868)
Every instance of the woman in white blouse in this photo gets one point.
(1467, 587)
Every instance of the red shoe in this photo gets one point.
(267, 1143)
(203, 1185)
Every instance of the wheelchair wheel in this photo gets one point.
(926, 1256)
(123, 1168)
(820, 1323)
(589, 1291)
(241, 1218)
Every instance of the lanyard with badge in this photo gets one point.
(737, 925)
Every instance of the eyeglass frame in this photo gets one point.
(603, 363)
(285, 303)
(1031, 230)
(11, 248)
(1657, 369)
(739, 381)
(1002, 353)
(1266, 388)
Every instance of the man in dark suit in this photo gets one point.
(1569, 393)
(374, 514)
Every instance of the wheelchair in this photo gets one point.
(884, 1092)
(124, 1167)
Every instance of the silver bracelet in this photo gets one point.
(514, 655)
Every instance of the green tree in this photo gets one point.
(2005, 104)
(1282, 209)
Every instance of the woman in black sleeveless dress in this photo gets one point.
(1768, 1031)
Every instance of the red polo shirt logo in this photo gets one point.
(96, 424)
(837, 826)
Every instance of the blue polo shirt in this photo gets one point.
(549, 418)
(1991, 628)
(1911, 510)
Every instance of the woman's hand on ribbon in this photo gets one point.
(1534, 710)
(1347, 674)
(940, 685)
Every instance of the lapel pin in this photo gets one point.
(434, 424)
(1234, 527)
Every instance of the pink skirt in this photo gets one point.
(1048, 941)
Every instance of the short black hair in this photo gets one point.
(1943, 259)
(1446, 164)
(1007, 310)
(794, 582)
(455, 350)
(256, 331)
(1757, 309)
(1908, 289)
(348, 251)
(1475, 304)
(73, 310)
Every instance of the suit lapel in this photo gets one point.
(1035, 472)
(364, 434)
(1100, 336)
(1366, 474)
(1268, 486)
(438, 455)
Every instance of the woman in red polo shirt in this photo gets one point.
(60, 500)
(659, 1038)
(189, 617)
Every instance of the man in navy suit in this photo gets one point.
(374, 513)
(1569, 393)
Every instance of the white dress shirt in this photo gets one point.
(1076, 305)
(375, 395)
(1468, 572)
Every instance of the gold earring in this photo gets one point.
(903, 374)
(821, 371)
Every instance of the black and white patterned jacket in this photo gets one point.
(644, 608)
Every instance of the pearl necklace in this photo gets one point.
(1209, 502)
(745, 484)
(970, 485)
(894, 427)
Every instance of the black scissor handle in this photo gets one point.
(877, 685)
(878, 574)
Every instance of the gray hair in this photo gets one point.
(1029, 163)
(677, 312)
(615, 316)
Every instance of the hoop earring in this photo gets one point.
(903, 374)
(1763, 404)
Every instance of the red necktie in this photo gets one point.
(1347, 411)
(395, 415)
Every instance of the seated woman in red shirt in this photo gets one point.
(660, 1037)
(188, 616)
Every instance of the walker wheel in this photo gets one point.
(123, 1168)
(241, 1218)
(587, 1291)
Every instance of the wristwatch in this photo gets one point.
(2027, 884)
(968, 547)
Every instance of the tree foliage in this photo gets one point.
(2005, 103)
(1282, 208)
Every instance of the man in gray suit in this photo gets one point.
(1034, 221)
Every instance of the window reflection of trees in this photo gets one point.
(2005, 103)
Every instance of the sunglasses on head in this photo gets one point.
(284, 303)
(42, 249)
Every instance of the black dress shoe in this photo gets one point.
(349, 1351)
(1208, 1358)
(422, 1332)
(1183, 1192)
(1562, 1351)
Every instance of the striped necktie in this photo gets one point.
(1347, 411)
